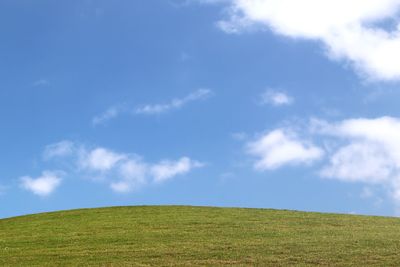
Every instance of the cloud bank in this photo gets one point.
(365, 33)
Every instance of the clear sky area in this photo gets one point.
(284, 104)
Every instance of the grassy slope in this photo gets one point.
(144, 236)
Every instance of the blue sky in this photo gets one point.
(221, 103)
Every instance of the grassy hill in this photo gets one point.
(185, 236)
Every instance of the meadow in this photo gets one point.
(197, 236)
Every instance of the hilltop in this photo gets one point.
(179, 235)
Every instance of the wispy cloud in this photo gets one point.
(109, 114)
(349, 30)
(239, 136)
(60, 149)
(151, 109)
(276, 98)
(41, 82)
(177, 103)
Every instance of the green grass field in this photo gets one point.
(197, 236)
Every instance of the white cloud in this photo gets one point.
(100, 159)
(358, 150)
(121, 187)
(360, 162)
(371, 153)
(133, 175)
(123, 172)
(60, 149)
(109, 114)
(349, 30)
(167, 169)
(276, 98)
(174, 104)
(43, 185)
(279, 147)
